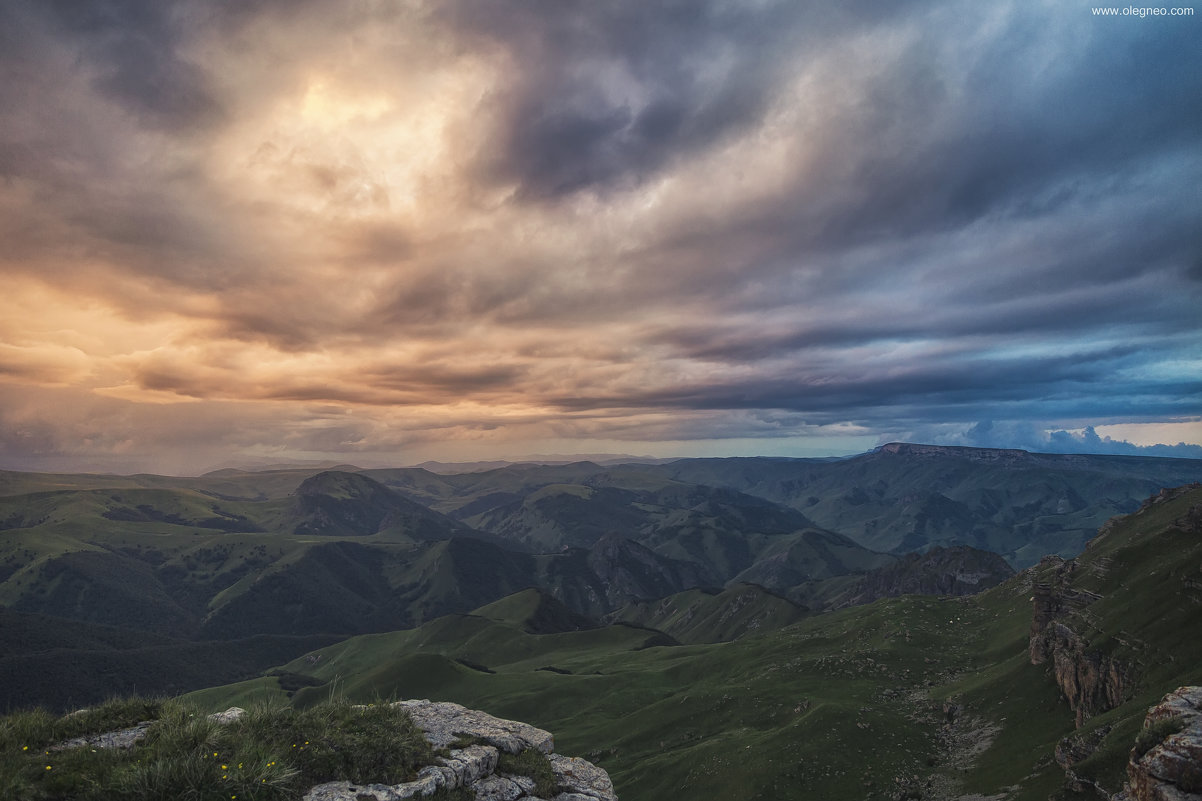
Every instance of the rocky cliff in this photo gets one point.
(1092, 682)
(959, 570)
(472, 748)
(1117, 626)
(1166, 762)
(474, 765)
(1093, 678)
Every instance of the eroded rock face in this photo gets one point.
(1092, 682)
(959, 570)
(1171, 769)
(1077, 748)
(474, 766)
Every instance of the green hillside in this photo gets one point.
(709, 616)
(345, 554)
(234, 554)
(906, 497)
(66, 664)
(905, 695)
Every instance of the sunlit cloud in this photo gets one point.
(392, 232)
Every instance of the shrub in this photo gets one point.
(534, 764)
(1155, 734)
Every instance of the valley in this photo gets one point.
(910, 697)
(743, 628)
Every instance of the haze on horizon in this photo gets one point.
(385, 232)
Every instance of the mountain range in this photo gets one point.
(292, 554)
(1035, 689)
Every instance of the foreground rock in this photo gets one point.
(474, 766)
(1166, 763)
(126, 738)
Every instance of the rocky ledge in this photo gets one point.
(474, 766)
(1091, 682)
(1166, 763)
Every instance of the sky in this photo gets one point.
(254, 231)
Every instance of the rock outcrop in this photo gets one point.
(1091, 681)
(1075, 748)
(958, 570)
(1166, 762)
(475, 766)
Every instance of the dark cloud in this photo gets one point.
(1079, 386)
(132, 48)
(568, 218)
(609, 94)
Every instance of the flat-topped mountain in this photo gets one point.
(907, 497)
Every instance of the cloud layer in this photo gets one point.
(398, 231)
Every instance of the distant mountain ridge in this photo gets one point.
(1036, 689)
(316, 552)
(955, 571)
(336, 503)
(906, 497)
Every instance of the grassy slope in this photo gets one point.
(1021, 507)
(170, 554)
(1147, 570)
(834, 706)
(268, 754)
(66, 664)
(669, 720)
(700, 616)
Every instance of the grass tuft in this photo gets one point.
(273, 753)
(534, 764)
(1155, 734)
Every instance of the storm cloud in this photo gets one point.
(389, 232)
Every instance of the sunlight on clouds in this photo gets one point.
(48, 365)
(58, 338)
(1153, 433)
(340, 147)
(327, 108)
(371, 227)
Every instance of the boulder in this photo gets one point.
(1166, 763)
(474, 766)
(444, 723)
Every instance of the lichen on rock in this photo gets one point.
(473, 766)
(1169, 768)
